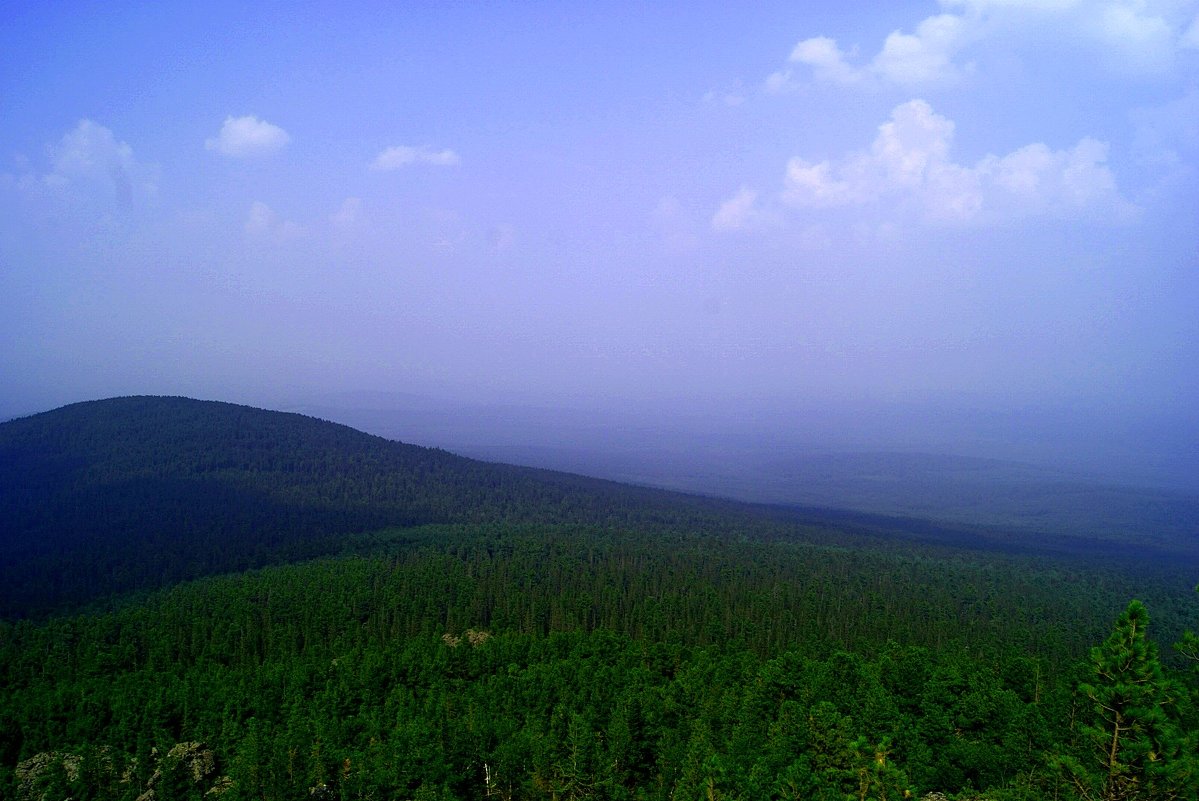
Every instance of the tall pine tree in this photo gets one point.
(1129, 748)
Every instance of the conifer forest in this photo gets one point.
(208, 601)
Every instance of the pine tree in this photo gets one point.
(1130, 749)
(1188, 646)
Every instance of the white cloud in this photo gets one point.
(908, 170)
(1126, 34)
(982, 6)
(1038, 180)
(826, 59)
(911, 148)
(926, 56)
(241, 137)
(742, 212)
(808, 184)
(393, 158)
(912, 141)
(906, 59)
(781, 81)
(1137, 41)
(263, 224)
(90, 159)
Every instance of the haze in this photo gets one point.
(964, 227)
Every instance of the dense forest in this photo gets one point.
(208, 601)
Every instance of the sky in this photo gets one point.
(967, 209)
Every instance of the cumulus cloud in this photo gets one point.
(909, 166)
(1033, 5)
(927, 55)
(923, 57)
(1126, 34)
(91, 160)
(908, 173)
(1138, 41)
(742, 212)
(826, 59)
(393, 158)
(241, 137)
(823, 55)
(263, 224)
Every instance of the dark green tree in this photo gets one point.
(1188, 646)
(1129, 747)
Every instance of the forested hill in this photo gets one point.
(104, 497)
(117, 494)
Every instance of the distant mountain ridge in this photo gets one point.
(954, 483)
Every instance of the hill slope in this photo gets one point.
(123, 493)
(109, 496)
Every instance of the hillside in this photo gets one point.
(116, 495)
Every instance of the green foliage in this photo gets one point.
(1188, 647)
(1130, 746)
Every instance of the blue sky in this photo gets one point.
(971, 203)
